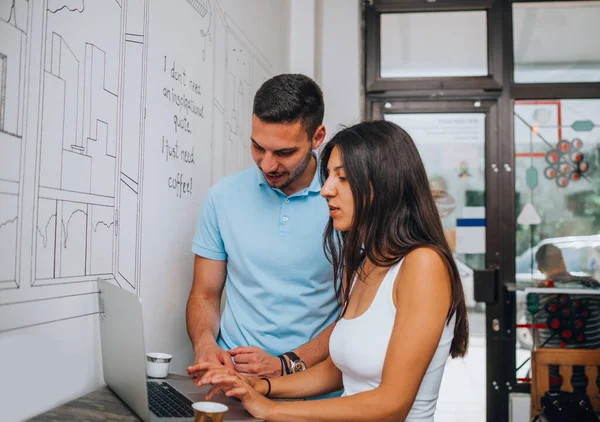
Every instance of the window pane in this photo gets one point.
(556, 42)
(436, 44)
(452, 147)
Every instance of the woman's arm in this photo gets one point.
(323, 378)
(422, 295)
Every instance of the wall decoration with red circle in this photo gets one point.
(566, 162)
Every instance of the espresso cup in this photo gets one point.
(157, 365)
(209, 411)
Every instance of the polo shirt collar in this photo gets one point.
(315, 184)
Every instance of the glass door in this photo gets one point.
(456, 141)
(557, 188)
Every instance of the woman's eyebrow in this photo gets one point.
(340, 167)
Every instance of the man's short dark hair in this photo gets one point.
(288, 98)
(548, 256)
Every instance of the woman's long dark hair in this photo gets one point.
(394, 212)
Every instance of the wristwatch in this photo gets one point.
(296, 364)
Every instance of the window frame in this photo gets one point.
(375, 83)
(545, 90)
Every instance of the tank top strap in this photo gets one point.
(391, 275)
(388, 280)
(385, 292)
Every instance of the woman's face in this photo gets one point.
(336, 190)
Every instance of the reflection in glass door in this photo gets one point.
(453, 149)
(557, 188)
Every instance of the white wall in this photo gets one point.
(340, 61)
(84, 178)
(332, 55)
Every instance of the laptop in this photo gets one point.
(124, 361)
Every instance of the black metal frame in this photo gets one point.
(543, 91)
(374, 82)
(496, 93)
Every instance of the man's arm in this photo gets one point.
(203, 313)
(316, 350)
(255, 362)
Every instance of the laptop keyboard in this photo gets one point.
(166, 402)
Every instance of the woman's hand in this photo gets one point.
(207, 372)
(235, 385)
(199, 369)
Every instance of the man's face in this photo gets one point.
(282, 151)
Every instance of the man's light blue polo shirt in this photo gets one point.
(280, 291)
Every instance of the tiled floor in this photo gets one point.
(462, 394)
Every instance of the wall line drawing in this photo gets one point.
(85, 92)
(14, 30)
(48, 322)
(87, 78)
(47, 299)
(239, 70)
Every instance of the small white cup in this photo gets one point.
(157, 365)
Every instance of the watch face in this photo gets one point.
(299, 366)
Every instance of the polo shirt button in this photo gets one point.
(286, 200)
(285, 219)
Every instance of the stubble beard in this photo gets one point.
(297, 173)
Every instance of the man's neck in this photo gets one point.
(303, 181)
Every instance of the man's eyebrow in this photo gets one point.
(292, 149)
(282, 150)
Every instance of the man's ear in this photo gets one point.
(540, 269)
(319, 137)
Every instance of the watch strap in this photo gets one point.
(293, 357)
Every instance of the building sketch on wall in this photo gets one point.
(13, 44)
(239, 70)
(72, 139)
(90, 142)
(204, 10)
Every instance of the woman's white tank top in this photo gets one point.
(358, 347)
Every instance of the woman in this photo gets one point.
(403, 308)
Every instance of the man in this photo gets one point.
(551, 263)
(260, 237)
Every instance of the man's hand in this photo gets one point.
(212, 355)
(255, 362)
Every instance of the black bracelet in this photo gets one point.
(281, 359)
(287, 369)
(269, 384)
